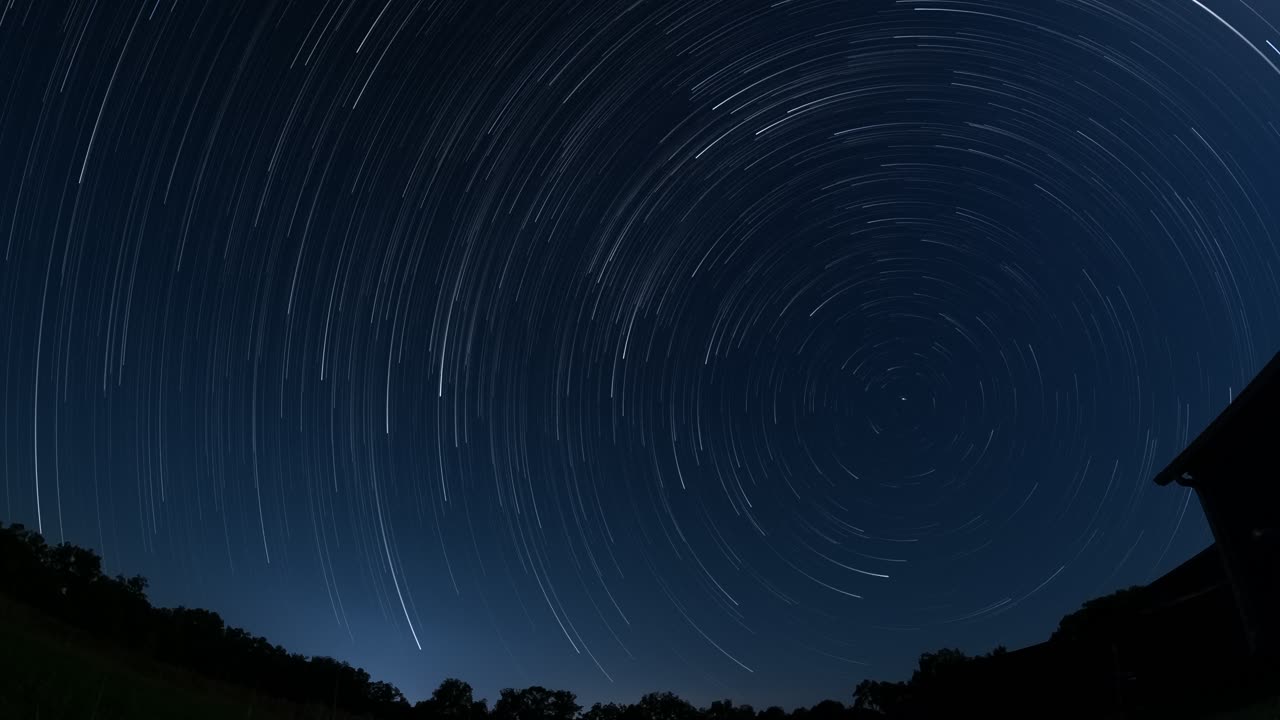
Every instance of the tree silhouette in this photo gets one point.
(605, 711)
(773, 712)
(67, 582)
(665, 706)
(536, 703)
(453, 699)
(726, 710)
(1100, 617)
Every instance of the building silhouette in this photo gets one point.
(1203, 637)
(1234, 467)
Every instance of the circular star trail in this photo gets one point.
(738, 349)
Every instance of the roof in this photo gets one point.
(1238, 434)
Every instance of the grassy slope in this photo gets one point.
(50, 671)
(1265, 710)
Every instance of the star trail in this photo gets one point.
(738, 349)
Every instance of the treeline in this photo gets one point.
(67, 582)
(1083, 668)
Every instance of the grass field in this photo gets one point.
(50, 671)
(1266, 710)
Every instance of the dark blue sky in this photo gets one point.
(739, 349)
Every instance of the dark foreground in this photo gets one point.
(76, 643)
(52, 671)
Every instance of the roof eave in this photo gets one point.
(1180, 468)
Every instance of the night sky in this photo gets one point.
(737, 349)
